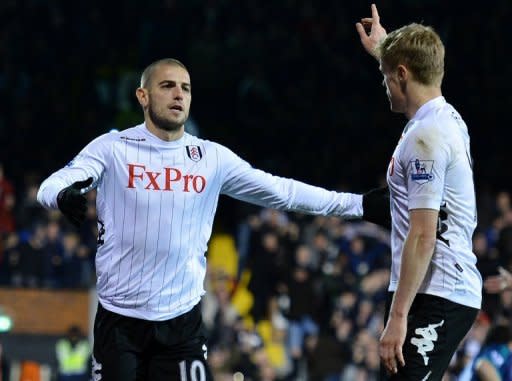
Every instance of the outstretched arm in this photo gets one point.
(371, 32)
(243, 182)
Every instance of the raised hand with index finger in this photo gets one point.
(370, 31)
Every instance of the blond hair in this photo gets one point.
(419, 48)
(148, 71)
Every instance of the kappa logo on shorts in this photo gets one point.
(194, 153)
(425, 343)
(421, 171)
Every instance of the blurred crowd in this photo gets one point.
(38, 248)
(319, 286)
(286, 85)
(316, 285)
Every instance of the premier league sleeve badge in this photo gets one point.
(421, 171)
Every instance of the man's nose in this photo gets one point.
(178, 93)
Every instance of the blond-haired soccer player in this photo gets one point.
(435, 287)
(157, 192)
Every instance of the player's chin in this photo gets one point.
(173, 120)
(170, 124)
(178, 118)
(180, 121)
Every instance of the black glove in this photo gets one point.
(72, 203)
(376, 207)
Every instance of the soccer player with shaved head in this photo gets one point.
(157, 193)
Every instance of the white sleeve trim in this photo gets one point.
(424, 202)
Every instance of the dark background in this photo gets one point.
(285, 84)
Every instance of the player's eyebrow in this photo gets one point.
(168, 81)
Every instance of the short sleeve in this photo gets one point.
(425, 157)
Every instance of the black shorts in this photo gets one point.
(129, 349)
(435, 328)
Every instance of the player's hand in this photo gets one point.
(391, 343)
(72, 203)
(376, 207)
(370, 31)
(497, 283)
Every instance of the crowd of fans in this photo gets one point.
(317, 285)
(282, 78)
(38, 248)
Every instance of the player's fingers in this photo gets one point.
(82, 184)
(361, 31)
(387, 357)
(399, 355)
(366, 20)
(375, 14)
(392, 364)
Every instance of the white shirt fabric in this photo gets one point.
(156, 202)
(431, 168)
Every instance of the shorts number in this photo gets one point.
(197, 371)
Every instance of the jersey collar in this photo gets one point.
(156, 139)
(428, 106)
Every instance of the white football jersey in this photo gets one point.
(156, 202)
(431, 168)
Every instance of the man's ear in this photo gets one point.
(142, 96)
(402, 73)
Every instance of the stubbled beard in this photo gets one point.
(162, 123)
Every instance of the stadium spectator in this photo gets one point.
(31, 257)
(53, 257)
(494, 360)
(7, 204)
(303, 331)
(73, 354)
(10, 266)
(263, 264)
(29, 210)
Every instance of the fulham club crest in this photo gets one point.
(194, 153)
